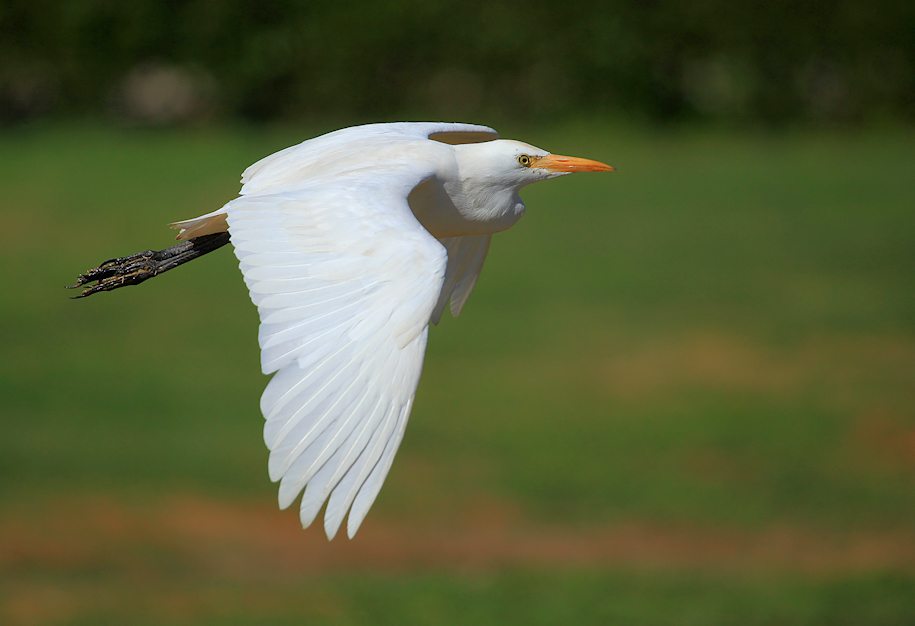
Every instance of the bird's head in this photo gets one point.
(516, 164)
(489, 176)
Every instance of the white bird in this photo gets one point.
(350, 245)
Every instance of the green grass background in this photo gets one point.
(721, 334)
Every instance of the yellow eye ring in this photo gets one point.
(525, 160)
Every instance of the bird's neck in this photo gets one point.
(451, 209)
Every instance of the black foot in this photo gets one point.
(134, 269)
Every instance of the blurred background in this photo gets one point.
(681, 393)
(764, 63)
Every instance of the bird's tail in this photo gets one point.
(208, 224)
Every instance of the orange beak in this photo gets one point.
(557, 163)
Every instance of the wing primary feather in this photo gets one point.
(276, 407)
(347, 464)
(318, 487)
(303, 440)
(315, 395)
(343, 495)
(372, 485)
(313, 459)
(304, 443)
(267, 400)
(283, 457)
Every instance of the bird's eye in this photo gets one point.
(525, 160)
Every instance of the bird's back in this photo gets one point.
(378, 147)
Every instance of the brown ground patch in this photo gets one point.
(883, 439)
(252, 541)
(184, 559)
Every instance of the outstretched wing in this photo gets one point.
(345, 280)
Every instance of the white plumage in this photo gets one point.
(350, 244)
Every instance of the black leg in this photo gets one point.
(134, 269)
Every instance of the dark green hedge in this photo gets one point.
(775, 61)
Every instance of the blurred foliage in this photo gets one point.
(831, 61)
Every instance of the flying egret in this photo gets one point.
(350, 245)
